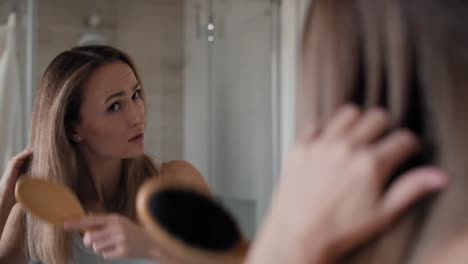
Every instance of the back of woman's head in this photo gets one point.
(410, 57)
(56, 156)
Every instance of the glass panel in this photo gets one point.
(232, 47)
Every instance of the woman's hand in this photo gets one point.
(331, 195)
(114, 236)
(11, 174)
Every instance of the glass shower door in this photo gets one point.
(235, 48)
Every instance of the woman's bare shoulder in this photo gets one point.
(184, 173)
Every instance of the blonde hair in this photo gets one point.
(411, 58)
(57, 107)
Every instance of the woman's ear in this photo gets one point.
(73, 134)
(77, 138)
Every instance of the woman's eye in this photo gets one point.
(114, 107)
(136, 95)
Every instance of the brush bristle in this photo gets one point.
(195, 219)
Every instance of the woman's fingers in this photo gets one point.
(393, 150)
(107, 242)
(116, 251)
(310, 133)
(97, 236)
(342, 122)
(23, 154)
(370, 127)
(18, 160)
(411, 187)
(356, 127)
(102, 233)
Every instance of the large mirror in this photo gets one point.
(209, 68)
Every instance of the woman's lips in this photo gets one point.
(138, 139)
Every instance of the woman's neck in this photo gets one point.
(105, 175)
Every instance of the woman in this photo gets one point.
(410, 58)
(87, 133)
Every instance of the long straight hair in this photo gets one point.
(56, 109)
(411, 57)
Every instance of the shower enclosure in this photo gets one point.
(231, 104)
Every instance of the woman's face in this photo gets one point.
(112, 114)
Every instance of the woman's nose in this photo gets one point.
(136, 116)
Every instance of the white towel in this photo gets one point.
(11, 105)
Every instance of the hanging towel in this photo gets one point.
(11, 105)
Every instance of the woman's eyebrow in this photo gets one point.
(121, 93)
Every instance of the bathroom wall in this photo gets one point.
(151, 31)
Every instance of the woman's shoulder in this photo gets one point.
(184, 173)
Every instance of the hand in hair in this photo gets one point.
(11, 174)
(332, 197)
(115, 236)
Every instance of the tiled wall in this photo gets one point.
(151, 31)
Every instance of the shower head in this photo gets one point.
(91, 36)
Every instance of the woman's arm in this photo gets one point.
(11, 225)
(115, 236)
(12, 248)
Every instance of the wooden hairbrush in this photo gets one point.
(186, 221)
